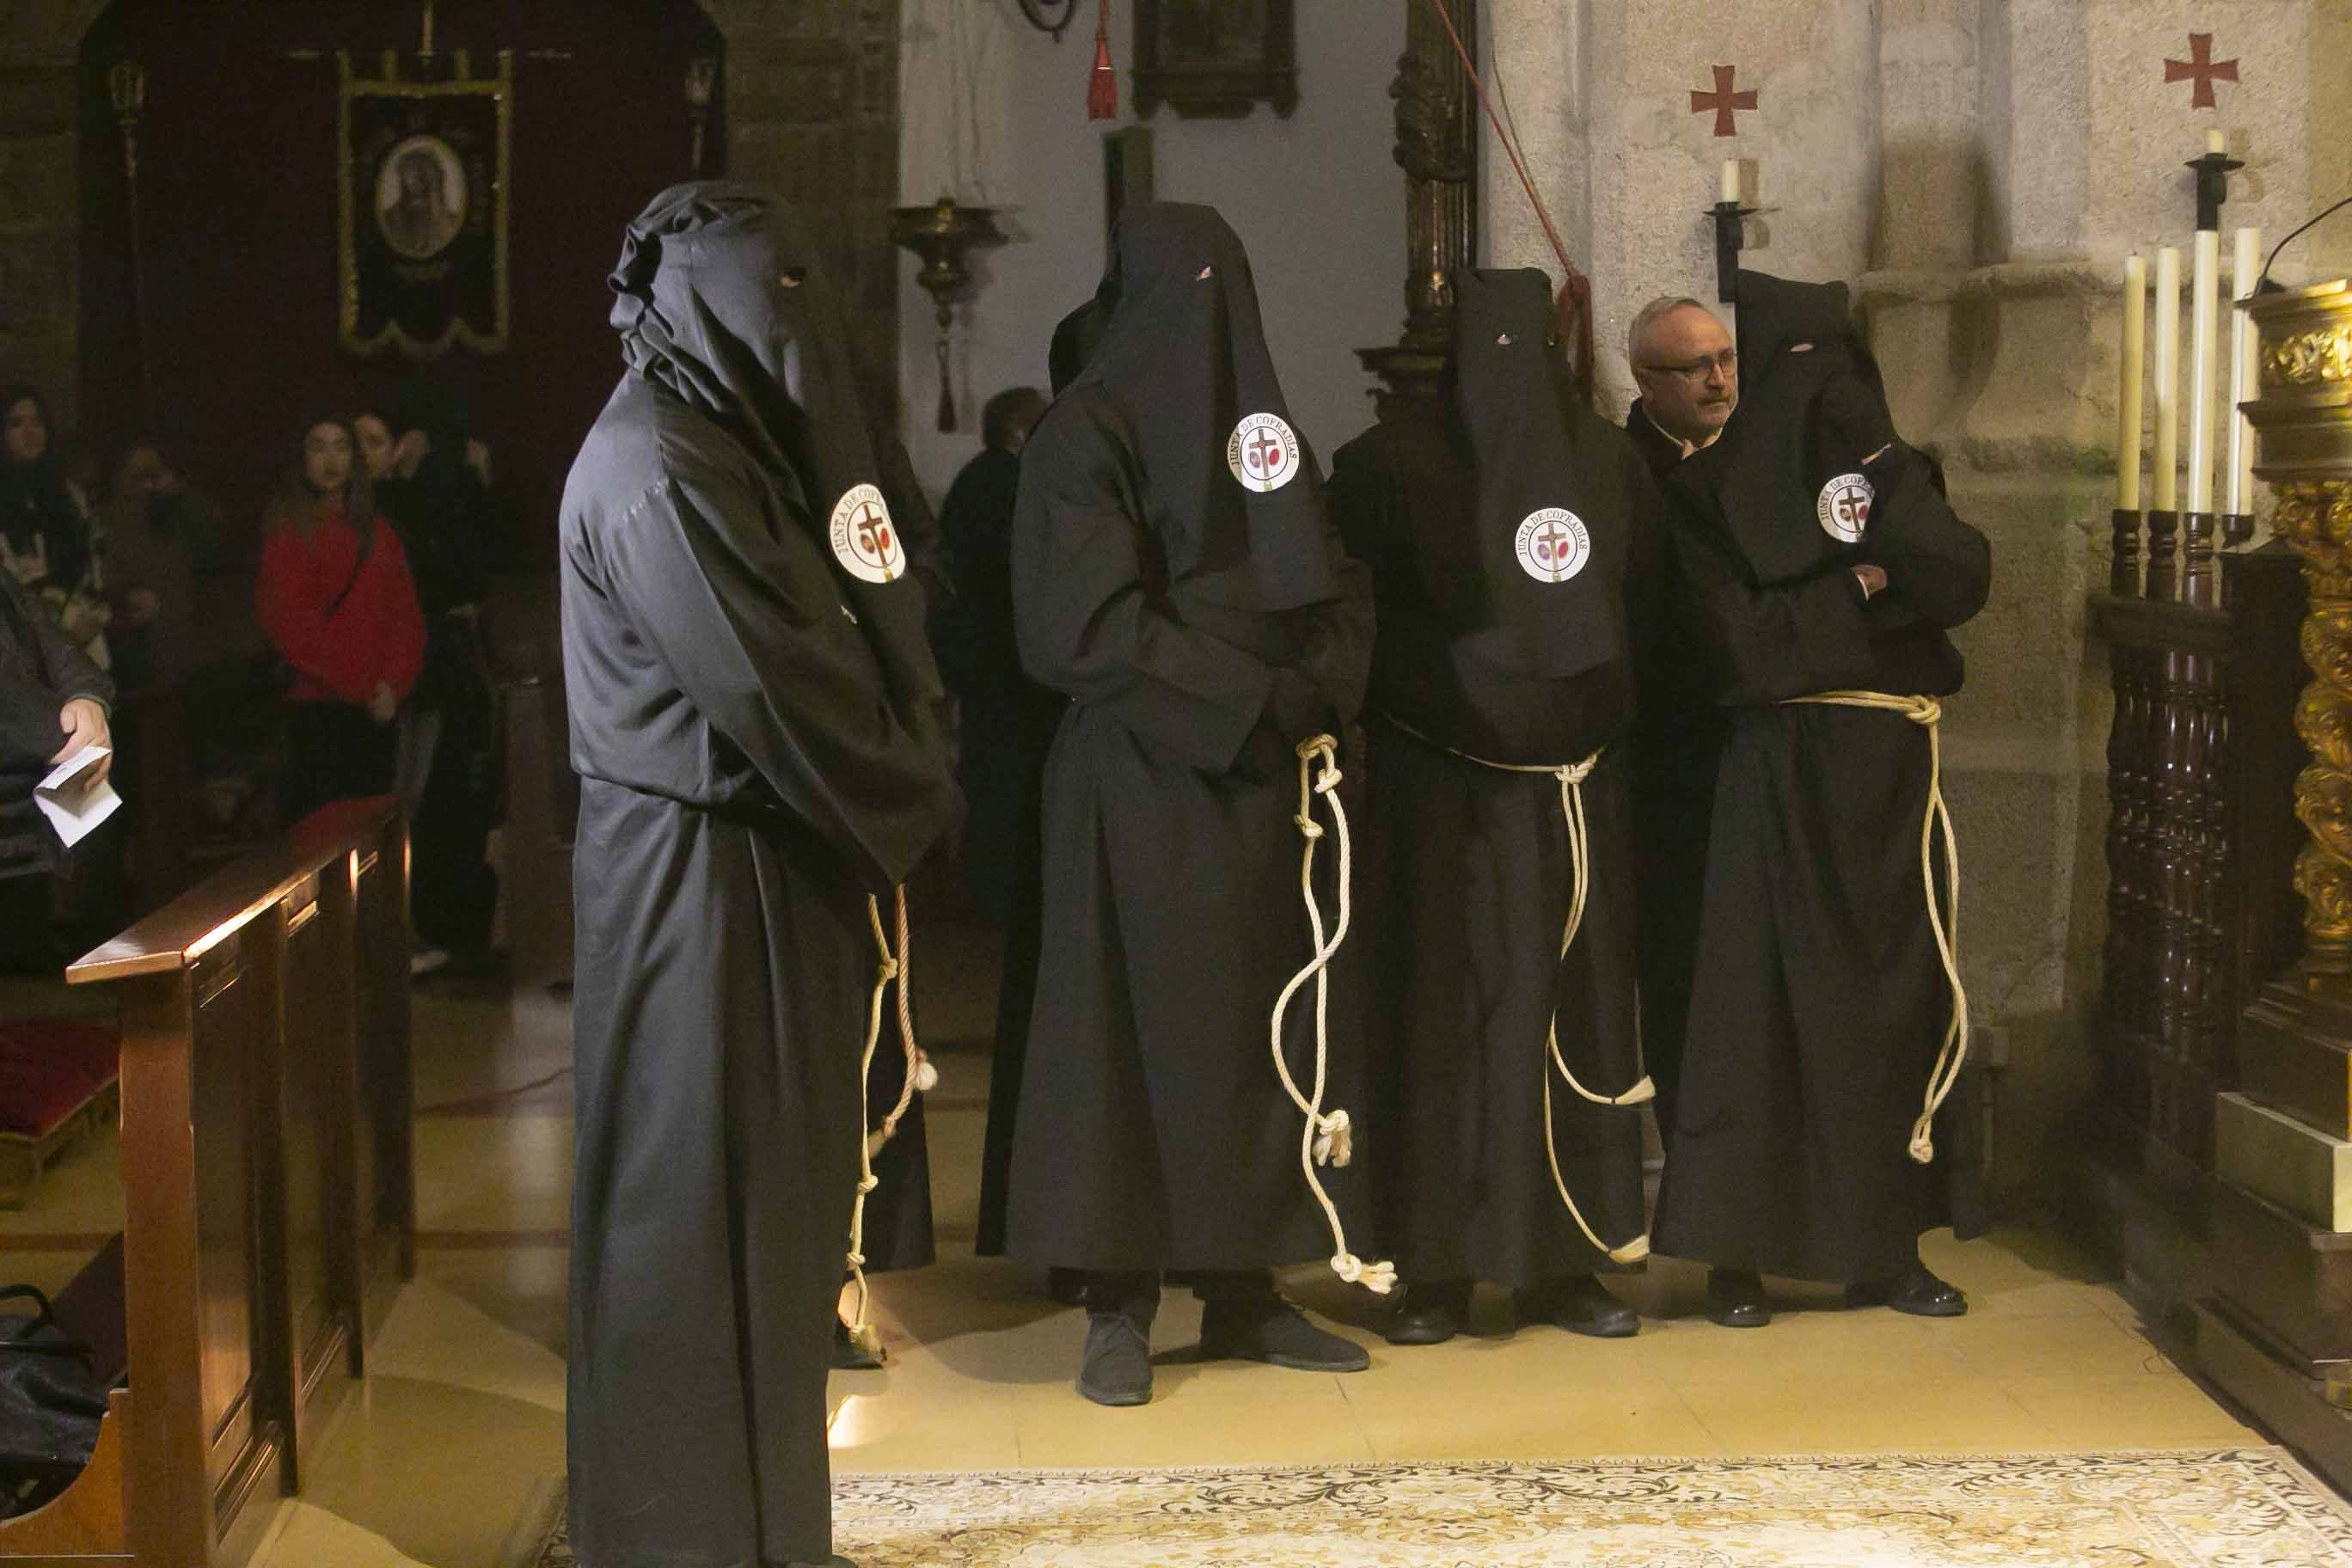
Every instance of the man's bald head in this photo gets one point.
(1684, 362)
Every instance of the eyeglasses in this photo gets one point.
(1695, 370)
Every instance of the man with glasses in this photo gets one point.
(1684, 361)
(1690, 374)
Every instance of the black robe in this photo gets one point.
(1467, 869)
(1024, 716)
(1008, 727)
(760, 751)
(1152, 1130)
(1673, 752)
(1819, 1001)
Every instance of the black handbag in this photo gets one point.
(51, 1401)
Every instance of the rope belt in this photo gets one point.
(1571, 777)
(921, 1076)
(1327, 1139)
(1928, 714)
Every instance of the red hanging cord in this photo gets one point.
(1575, 301)
(1102, 83)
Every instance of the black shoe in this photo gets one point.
(1916, 1290)
(1735, 1298)
(848, 1355)
(1583, 1305)
(1269, 1329)
(1118, 1370)
(1430, 1314)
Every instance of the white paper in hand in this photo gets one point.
(72, 803)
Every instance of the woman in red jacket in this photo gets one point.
(336, 600)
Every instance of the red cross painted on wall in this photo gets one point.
(1723, 101)
(2202, 68)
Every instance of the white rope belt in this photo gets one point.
(1926, 713)
(921, 1076)
(1571, 777)
(1327, 1139)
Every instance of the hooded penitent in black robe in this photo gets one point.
(1173, 572)
(1819, 1001)
(1022, 717)
(753, 717)
(1506, 532)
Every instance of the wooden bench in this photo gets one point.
(269, 1189)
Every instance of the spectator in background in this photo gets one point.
(433, 485)
(53, 703)
(44, 541)
(156, 536)
(336, 600)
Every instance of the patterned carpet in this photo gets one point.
(2247, 1508)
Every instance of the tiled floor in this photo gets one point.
(451, 1455)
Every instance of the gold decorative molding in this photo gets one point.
(2319, 357)
(2304, 417)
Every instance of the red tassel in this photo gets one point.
(1102, 83)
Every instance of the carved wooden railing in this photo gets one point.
(268, 1190)
(2200, 834)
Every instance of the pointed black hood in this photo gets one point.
(1791, 479)
(1230, 486)
(1540, 523)
(719, 297)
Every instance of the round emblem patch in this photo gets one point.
(1843, 507)
(1553, 544)
(1262, 452)
(865, 540)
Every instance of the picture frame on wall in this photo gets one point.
(1217, 58)
(424, 168)
(1127, 176)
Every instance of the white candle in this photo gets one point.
(2214, 143)
(1731, 180)
(2128, 406)
(2166, 445)
(2244, 266)
(2204, 366)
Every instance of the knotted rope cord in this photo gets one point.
(1327, 1139)
(1928, 714)
(1571, 777)
(920, 1076)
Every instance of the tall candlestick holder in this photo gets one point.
(2201, 580)
(1729, 218)
(2163, 553)
(2124, 552)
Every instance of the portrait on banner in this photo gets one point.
(425, 187)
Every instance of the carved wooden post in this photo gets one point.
(1437, 148)
(2279, 1328)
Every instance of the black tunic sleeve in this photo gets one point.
(38, 676)
(1337, 656)
(68, 670)
(1088, 622)
(755, 635)
(1768, 645)
(1938, 569)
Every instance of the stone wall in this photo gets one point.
(40, 172)
(1977, 169)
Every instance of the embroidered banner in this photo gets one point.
(424, 168)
